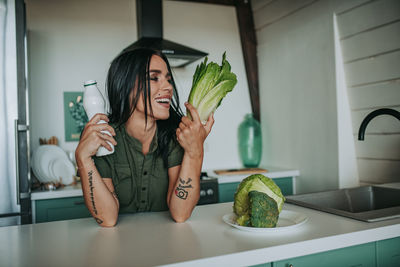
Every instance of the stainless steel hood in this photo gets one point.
(150, 35)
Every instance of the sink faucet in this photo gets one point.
(372, 115)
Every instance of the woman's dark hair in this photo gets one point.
(128, 70)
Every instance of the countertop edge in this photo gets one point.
(297, 249)
(40, 195)
(238, 178)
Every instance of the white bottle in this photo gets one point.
(93, 102)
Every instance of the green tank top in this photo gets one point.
(140, 182)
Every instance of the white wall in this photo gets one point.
(303, 95)
(347, 160)
(370, 40)
(298, 88)
(71, 41)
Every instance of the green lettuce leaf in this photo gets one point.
(211, 83)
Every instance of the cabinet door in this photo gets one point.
(227, 191)
(285, 184)
(360, 256)
(388, 252)
(60, 209)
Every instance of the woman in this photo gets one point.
(158, 151)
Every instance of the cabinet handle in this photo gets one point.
(16, 159)
(79, 203)
(19, 128)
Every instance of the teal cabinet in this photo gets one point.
(388, 252)
(384, 253)
(285, 184)
(226, 191)
(360, 256)
(57, 209)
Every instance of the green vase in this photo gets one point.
(250, 141)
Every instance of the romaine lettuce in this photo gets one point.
(211, 83)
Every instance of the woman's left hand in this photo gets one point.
(191, 134)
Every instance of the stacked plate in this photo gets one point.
(50, 164)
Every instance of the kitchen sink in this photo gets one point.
(365, 203)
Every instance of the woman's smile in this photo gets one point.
(164, 101)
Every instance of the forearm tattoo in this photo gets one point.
(91, 187)
(181, 191)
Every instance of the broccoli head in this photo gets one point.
(264, 210)
(256, 182)
(266, 205)
(243, 220)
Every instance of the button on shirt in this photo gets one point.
(140, 181)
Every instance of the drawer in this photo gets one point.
(360, 256)
(388, 252)
(60, 209)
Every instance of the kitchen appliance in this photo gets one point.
(150, 35)
(15, 207)
(208, 189)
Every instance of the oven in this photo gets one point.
(208, 189)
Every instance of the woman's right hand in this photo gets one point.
(92, 137)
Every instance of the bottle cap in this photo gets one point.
(90, 82)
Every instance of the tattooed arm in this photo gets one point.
(98, 192)
(184, 190)
(184, 180)
(99, 195)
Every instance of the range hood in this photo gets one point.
(150, 35)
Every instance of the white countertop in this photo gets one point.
(272, 172)
(149, 239)
(66, 191)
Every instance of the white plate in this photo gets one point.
(36, 164)
(50, 171)
(33, 166)
(62, 171)
(42, 158)
(287, 220)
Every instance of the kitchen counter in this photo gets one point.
(148, 239)
(66, 191)
(272, 172)
(76, 190)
